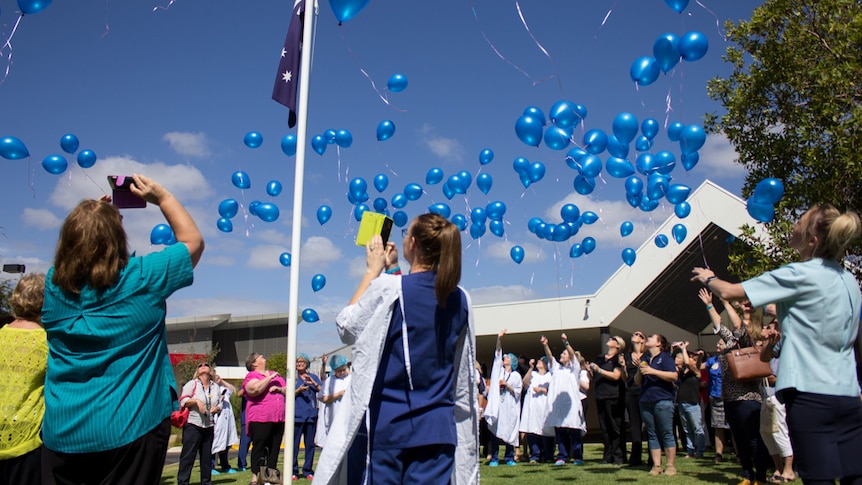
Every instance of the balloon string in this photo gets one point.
(668, 107)
(107, 26)
(607, 15)
(702, 250)
(541, 47)
(31, 174)
(159, 7)
(8, 44)
(382, 96)
(717, 23)
(338, 166)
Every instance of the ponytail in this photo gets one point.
(835, 231)
(439, 246)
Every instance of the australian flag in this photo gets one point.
(287, 79)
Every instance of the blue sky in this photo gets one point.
(171, 94)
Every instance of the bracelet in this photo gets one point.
(395, 270)
(709, 307)
(706, 283)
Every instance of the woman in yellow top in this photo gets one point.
(22, 378)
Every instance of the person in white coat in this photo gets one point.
(334, 395)
(503, 413)
(224, 430)
(567, 414)
(536, 410)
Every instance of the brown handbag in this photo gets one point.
(745, 364)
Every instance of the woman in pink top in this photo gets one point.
(264, 412)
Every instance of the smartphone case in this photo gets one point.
(373, 223)
(122, 195)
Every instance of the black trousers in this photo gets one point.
(266, 443)
(196, 442)
(744, 420)
(611, 422)
(633, 408)
(26, 468)
(140, 462)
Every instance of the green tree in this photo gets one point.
(6, 289)
(278, 363)
(794, 111)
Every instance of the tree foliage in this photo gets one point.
(278, 363)
(6, 289)
(794, 111)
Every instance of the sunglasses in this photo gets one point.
(202, 364)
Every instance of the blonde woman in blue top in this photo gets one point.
(818, 304)
(109, 388)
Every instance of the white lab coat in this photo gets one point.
(332, 385)
(537, 406)
(566, 408)
(503, 413)
(224, 429)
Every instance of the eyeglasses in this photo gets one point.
(202, 364)
(404, 233)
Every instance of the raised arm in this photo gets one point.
(732, 315)
(569, 348)
(548, 353)
(706, 297)
(500, 340)
(376, 256)
(686, 361)
(724, 289)
(529, 376)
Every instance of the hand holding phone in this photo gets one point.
(122, 195)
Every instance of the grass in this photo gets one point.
(689, 471)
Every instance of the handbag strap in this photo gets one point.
(193, 391)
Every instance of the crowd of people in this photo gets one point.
(86, 346)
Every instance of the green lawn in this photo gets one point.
(690, 471)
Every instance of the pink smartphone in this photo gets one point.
(122, 196)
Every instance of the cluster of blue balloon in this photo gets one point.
(12, 148)
(667, 50)
(162, 234)
(767, 193)
(266, 211)
(565, 115)
(342, 138)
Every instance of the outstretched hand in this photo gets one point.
(705, 296)
(502, 332)
(148, 189)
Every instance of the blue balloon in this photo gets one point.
(434, 176)
(533, 223)
(466, 179)
(629, 256)
(29, 7)
(581, 111)
(677, 193)
(330, 135)
(537, 113)
(379, 204)
(643, 143)
(665, 50)
(619, 167)
(626, 228)
(318, 144)
(645, 163)
(521, 166)
(590, 166)
(358, 210)
(762, 212)
(381, 181)
(692, 46)
(768, 191)
(561, 232)
(536, 171)
(399, 201)
(309, 315)
(650, 127)
(545, 231)
(625, 127)
(497, 228)
(69, 143)
(517, 254)
(484, 182)
(86, 158)
(273, 188)
(228, 208)
(679, 232)
(343, 138)
(644, 71)
(161, 234)
(584, 185)
(529, 130)
(457, 184)
(689, 160)
(318, 281)
(477, 231)
(324, 213)
(345, 10)
(399, 218)
(570, 212)
(412, 191)
(664, 162)
(284, 259)
(589, 217)
(397, 83)
(647, 204)
(661, 240)
(252, 139)
(55, 164)
(268, 212)
(657, 186)
(478, 216)
(617, 148)
(486, 156)
(692, 138)
(495, 210)
(447, 190)
(440, 208)
(588, 244)
(576, 251)
(358, 186)
(385, 130)
(595, 141)
(460, 221)
(557, 138)
(12, 148)
(682, 210)
(678, 6)
(563, 114)
(288, 145)
(634, 185)
(634, 200)
(252, 207)
(674, 130)
(224, 225)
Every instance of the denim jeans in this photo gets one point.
(658, 420)
(692, 422)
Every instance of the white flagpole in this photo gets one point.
(296, 236)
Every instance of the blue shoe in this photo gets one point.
(230, 471)
(511, 463)
(578, 463)
(241, 469)
(493, 463)
(559, 462)
(216, 472)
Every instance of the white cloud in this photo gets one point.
(500, 250)
(41, 218)
(189, 144)
(319, 252)
(447, 148)
(357, 267)
(273, 236)
(611, 214)
(717, 158)
(501, 294)
(265, 256)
